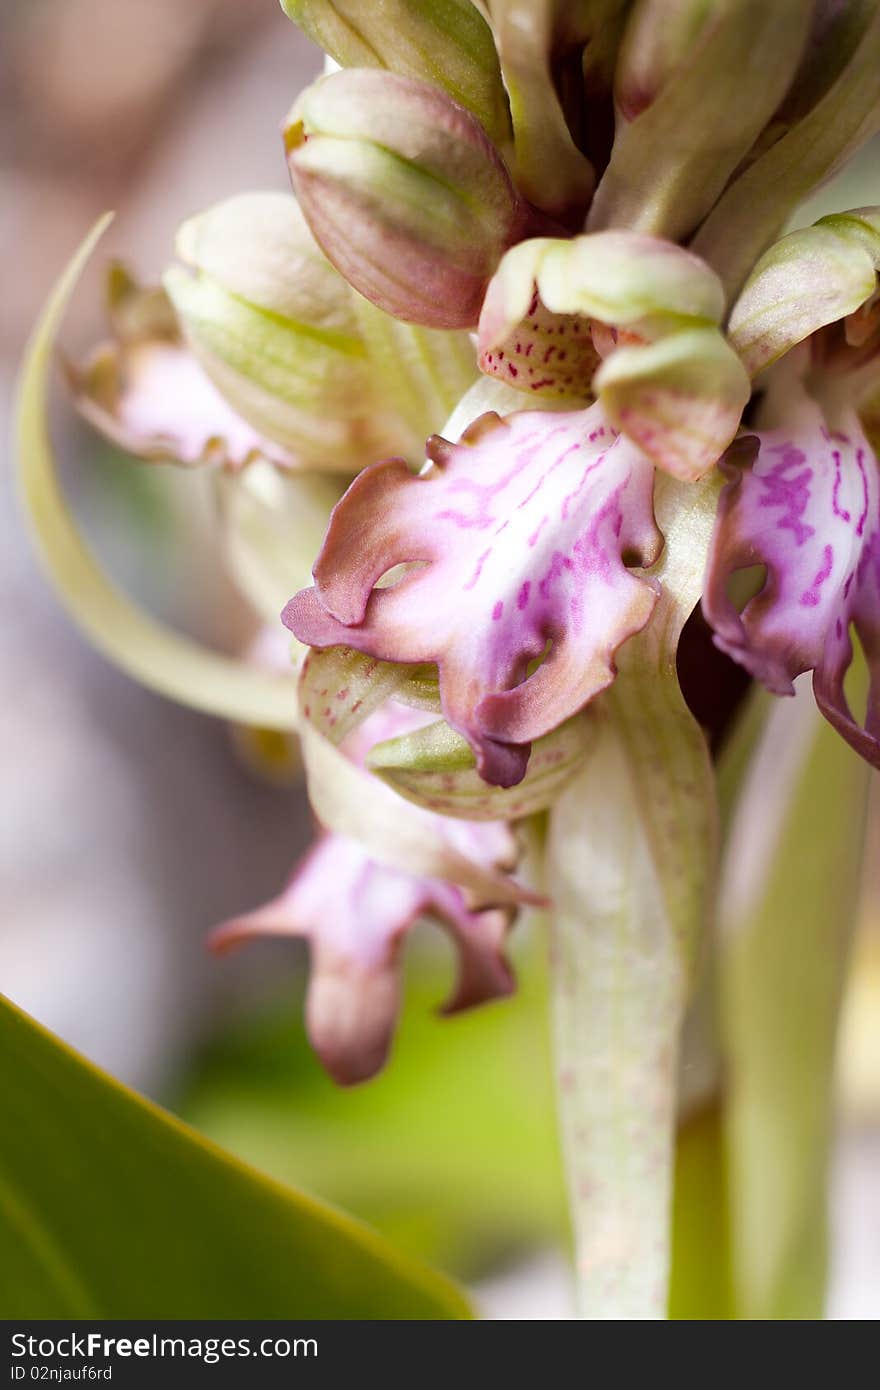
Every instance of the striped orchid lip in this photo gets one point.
(803, 501)
(518, 542)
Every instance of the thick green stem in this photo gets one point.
(631, 851)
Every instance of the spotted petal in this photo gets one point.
(519, 538)
(355, 913)
(803, 500)
(646, 314)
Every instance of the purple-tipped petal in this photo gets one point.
(355, 913)
(803, 501)
(519, 539)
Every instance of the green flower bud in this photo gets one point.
(404, 192)
(535, 38)
(273, 325)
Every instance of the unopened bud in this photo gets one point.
(273, 325)
(813, 277)
(405, 193)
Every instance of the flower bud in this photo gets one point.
(451, 45)
(536, 38)
(404, 192)
(273, 325)
(653, 50)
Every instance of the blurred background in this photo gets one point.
(130, 827)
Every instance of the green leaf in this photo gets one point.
(129, 637)
(789, 888)
(110, 1208)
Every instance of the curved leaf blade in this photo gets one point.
(111, 1208)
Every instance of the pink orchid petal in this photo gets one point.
(806, 504)
(152, 399)
(519, 539)
(355, 912)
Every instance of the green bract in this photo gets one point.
(273, 326)
(448, 43)
(810, 278)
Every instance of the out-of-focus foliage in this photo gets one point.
(789, 900)
(451, 1152)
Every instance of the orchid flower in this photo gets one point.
(525, 374)
(803, 499)
(356, 911)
